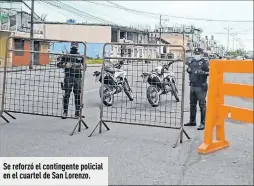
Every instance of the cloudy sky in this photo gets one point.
(215, 10)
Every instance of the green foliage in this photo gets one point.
(94, 61)
(238, 52)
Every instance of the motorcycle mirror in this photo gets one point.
(170, 63)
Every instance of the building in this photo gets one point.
(191, 34)
(95, 36)
(17, 23)
(173, 39)
(212, 46)
(170, 39)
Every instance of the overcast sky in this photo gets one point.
(217, 10)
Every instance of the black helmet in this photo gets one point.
(74, 45)
(198, 51)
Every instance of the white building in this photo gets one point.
(100, 34)
(191, 33)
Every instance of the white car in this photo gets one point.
(240, 58)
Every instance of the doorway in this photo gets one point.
(36, 55)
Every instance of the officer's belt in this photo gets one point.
(196, 84)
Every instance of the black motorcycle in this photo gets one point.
(161, 81)
(115, 81)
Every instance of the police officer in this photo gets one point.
(198, 72)
(72, 79)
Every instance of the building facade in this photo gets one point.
(95, 36)
(190, 34)
(17, 24)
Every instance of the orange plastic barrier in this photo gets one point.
(217, 111)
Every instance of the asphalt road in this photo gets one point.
(137, 155)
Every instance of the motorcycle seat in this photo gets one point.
(111, 70)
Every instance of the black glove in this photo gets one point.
(188, 70)
(201, 72)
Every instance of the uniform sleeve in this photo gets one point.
(206, 67)
(190, 65)
(79, 59)
(62, 62)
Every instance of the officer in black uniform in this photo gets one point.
(72, 79)
(198, 72)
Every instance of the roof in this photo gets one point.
(162, 40)
(124, 28)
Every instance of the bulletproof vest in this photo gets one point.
(75, 71)
(196, 79)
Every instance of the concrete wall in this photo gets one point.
(3, 39)
(94, 50)
(85, 33)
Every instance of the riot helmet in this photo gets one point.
(74, 47)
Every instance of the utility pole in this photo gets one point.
(32, 36)
(160, 38)
(228, 30)
(234, 34)
(183, 35)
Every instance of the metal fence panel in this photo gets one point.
(42, 86)
(141, 88)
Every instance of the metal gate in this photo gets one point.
(143, 90)
(40, 82)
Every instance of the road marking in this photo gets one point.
(87, 91)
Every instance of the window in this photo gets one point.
(19, 45)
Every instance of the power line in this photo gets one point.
(122, 8)
(44, 4)
(131, 10)
(115, 18)
(172, 16)
(75, 11)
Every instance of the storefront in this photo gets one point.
(22, 42)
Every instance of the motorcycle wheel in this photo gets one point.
(153, 96)
(175, 92)
(128, 91)
(108, 96)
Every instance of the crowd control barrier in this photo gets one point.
(36, 82)
(217, 111)
(140, 88)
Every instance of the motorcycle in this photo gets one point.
(161, 81)
(115, 81)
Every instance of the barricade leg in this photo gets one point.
(213, 120)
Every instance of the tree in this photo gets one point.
(238, 52)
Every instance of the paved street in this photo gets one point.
(137, 155)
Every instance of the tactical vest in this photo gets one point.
(196, 79)
(74, 71)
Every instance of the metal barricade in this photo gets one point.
(46, 81)
(138, 87)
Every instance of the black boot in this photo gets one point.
(191, 123)
(77, 105)
(202, 115)
(65, 104)
(64, 116)
(193, 112)
(77, 114)
(201, 126)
